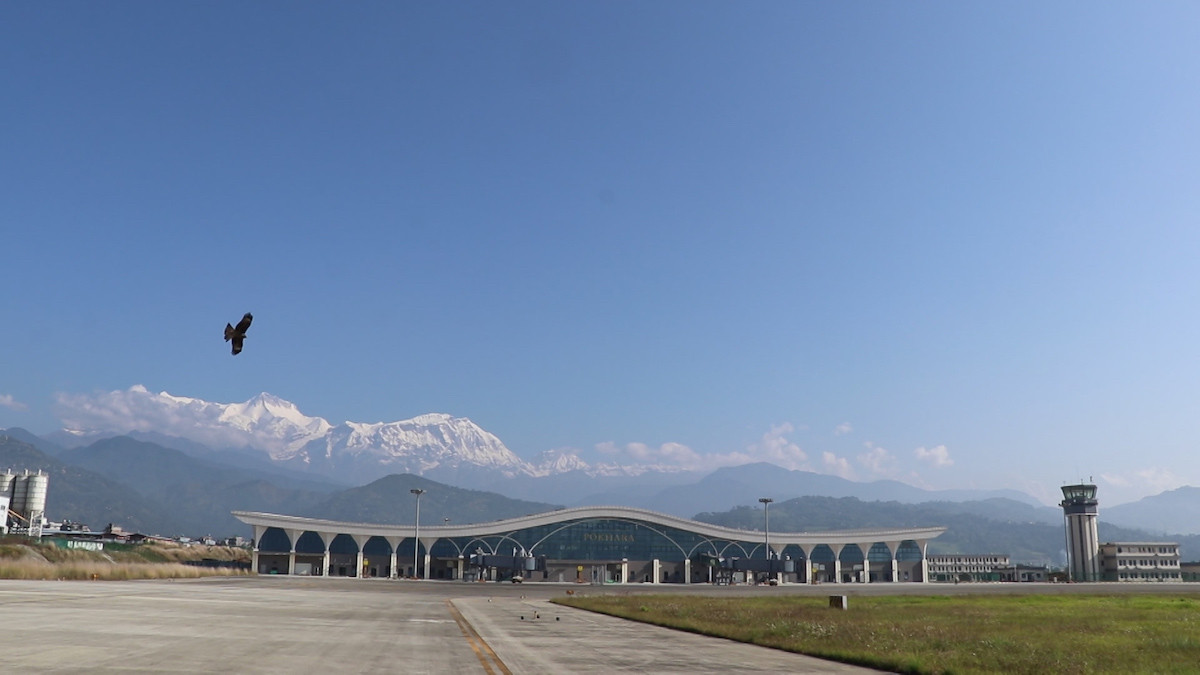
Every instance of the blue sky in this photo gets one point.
(949, 243)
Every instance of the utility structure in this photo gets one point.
(1080, 513)
(417, 532)
(766, 502)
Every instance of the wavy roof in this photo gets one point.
(436, 531)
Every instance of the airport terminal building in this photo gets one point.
(595, 544)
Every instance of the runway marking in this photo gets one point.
(487, 657)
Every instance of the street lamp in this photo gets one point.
(417, 530)
(766, 502)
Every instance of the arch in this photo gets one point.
(738, 544)
(444, 546)
(343, 543)
(704, 541)
(852, 553)
(310, 542)
(377, 546)
(503, 537)
(275, 540)
(632, 521)
(488, 548)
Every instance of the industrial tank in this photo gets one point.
(35, 496)
(20, 491)
(6, 484)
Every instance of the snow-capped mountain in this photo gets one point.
(433, 443)
(276, 423)
(553, 462)
(419, 445)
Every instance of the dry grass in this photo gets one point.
(84, 569)
(23, 559)
(947, 634)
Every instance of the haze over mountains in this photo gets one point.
(173, 465)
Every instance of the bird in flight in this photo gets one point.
(238, 334)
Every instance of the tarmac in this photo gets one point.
(276, 624)
(314, 625)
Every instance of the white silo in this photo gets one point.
(6, 489)
(35, 493)
(35, 502)
(6, 484)
(19, 492)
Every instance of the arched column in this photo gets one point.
(326, 539)
(776, 553)
(394, 542)
(259, 531)
(360, 540)
(293, 537)
(837, 561)
(428, 543)
(924, 546)
(807, 578)
(865, 548)
(894, 548)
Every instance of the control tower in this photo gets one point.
(1083, 541)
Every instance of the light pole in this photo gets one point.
(766, 502)
(417, 531)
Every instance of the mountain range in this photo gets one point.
(173, 464)
(148, 487)
(268, 428)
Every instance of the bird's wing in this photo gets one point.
(228, 332)
(237, 344)
(244, 324)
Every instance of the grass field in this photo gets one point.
(1125, 633)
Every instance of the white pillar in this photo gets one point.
(924, 545)
(837, 562)
(624, 571)
(427, 544)
(259, 531)
(460, 568)
(394, 559)
(807, 576)
(326, 539)
(360, 540)
(655, 567)
(293, 537)
(894, 547)
(687, 570)
(865, 548)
